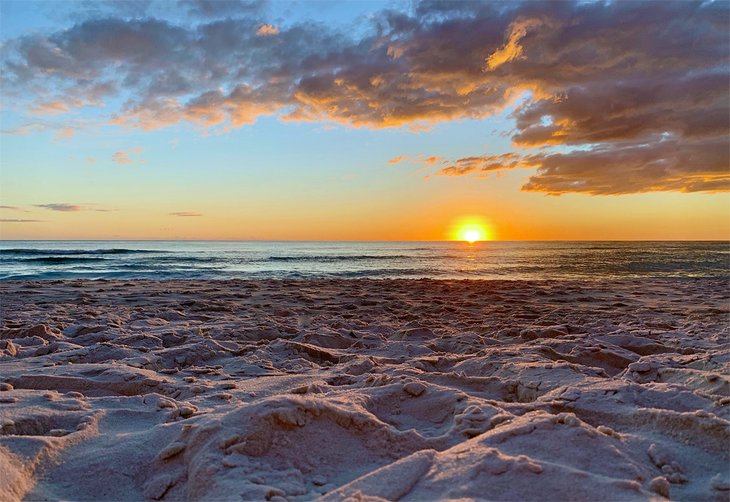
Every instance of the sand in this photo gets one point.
(365, 389)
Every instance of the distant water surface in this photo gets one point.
(299, 260)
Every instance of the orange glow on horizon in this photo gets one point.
(471, 229)
(471, 236)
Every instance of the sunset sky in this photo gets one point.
(364, 120)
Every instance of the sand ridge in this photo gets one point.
(365, 389)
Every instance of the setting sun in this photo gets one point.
(471, 229)
(472, 233)
(471, 236)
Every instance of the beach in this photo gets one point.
(364, 251)
(368, 389)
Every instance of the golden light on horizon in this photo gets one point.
(472, 233)
(471, 230)
(471, 236)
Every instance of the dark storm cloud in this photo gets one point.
(636, 80)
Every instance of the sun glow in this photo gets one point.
(471, 236)
(471, 230)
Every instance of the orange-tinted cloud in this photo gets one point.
(512, 49)
(267, 30)
(658, 166)
(51, 107)
(664, 164)
(432, 159)
(600, 76)
(419, 158)
(65, 133)
(124, 157)
(487, 163)
(398, 159)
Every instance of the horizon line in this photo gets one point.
(365, 240)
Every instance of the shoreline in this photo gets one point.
(322, 279)
(409, 389)
(221, 261)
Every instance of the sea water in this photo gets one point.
(300, 260)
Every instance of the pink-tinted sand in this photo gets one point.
(364, 389)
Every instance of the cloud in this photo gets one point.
(432, 159)
(419, 158)
(65, 133)
(512, 49)
(25, 129)
(185, 213)
(398, 159)
(123, 157)
(14, 208)
(266, 30)
(13, 220)
(222, 8)
(60, 131)
(487, 163)
(63, 207)
(51, 107)
(71, 208)
(664, 164)
(595, 77)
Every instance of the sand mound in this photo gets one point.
(368, 390)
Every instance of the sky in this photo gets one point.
(313, 120)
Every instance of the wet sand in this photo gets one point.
(371, 389)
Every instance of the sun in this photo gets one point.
(471, 236)
(471, 229)
(471, 233)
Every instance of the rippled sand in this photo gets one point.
(397, 390)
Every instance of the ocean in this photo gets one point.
(36, 260)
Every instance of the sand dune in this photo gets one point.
(365, 389)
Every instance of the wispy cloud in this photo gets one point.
(488, 163)
(14, 208)
(398, 159)
(125, 156)
(185, 213)
(420, 159)
(60, 131)
(26, 129)
(432, 159)
(65, 207)
(65, 133)
(13, 220)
